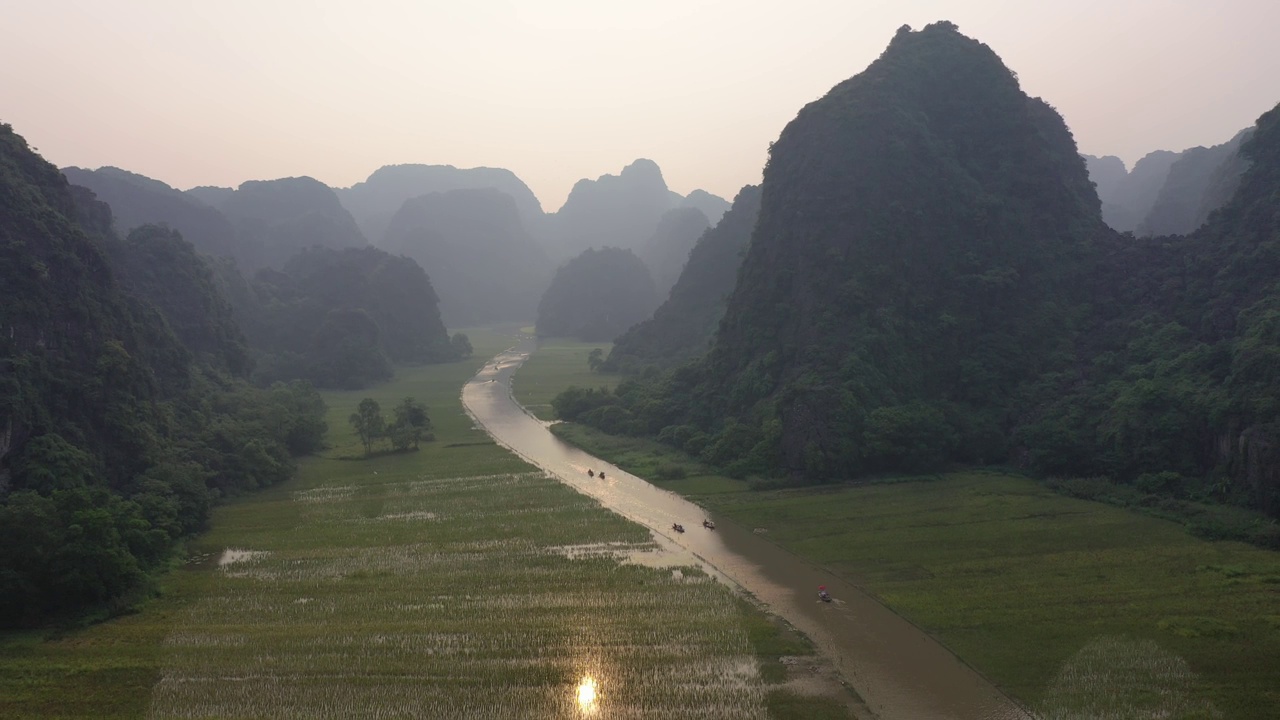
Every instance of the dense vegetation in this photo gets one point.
(667, 250)
(483, 263)
(682, 327)
(596, 296)
(116, 434)
(930, 283)
(339, 318)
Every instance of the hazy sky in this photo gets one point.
(215, 93)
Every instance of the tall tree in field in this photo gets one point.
(368, 423)
(410, 426)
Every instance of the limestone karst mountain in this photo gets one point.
(667, 250)
(597, 296)
(374, 201)
(483, 263)
(275, 219)
(138, 200)
(620, 211)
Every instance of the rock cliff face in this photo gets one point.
(922, 233)
(482, 262)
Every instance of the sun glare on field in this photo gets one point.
(587, 693)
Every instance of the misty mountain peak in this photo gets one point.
(644, 171)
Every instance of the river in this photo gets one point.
(898, 670)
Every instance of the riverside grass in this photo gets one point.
(1077, 608)
(454, 582)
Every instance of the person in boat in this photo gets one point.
(823, 594)
(601, 474)
(677, 527)
(590, 472)
(708, 525)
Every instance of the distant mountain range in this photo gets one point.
(1167, 192)
(480, 233)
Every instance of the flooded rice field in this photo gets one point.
(898, 670)
(395, 594)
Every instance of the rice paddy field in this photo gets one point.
(453, 582)
(1078, 609)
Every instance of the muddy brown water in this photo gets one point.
(897, 669)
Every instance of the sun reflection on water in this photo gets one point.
(587, 694)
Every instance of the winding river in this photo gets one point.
(898, 670)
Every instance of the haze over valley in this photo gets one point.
(956, 397)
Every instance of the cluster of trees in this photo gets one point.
(930, 283)
(410, 425)
(124, 408)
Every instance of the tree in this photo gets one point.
(411, 424)
(461, 345)
(595, 359)
(368, 423)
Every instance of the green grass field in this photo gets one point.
(1079, 609)
(453, 582)
(557, 364)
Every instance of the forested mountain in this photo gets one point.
(682, 327)
(373, 202)
(929, 283)
(115, 437)
(483, 263)
(138, 200)
(666, 251)
(1179, 380)
(1199, 182)
(158, 266)
(210, 195)
(275, 219)
(904, 277)
(597, 295)
(621, 211)
(339, 317)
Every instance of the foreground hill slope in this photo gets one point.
(115, 434)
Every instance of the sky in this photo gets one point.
(216, 93)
